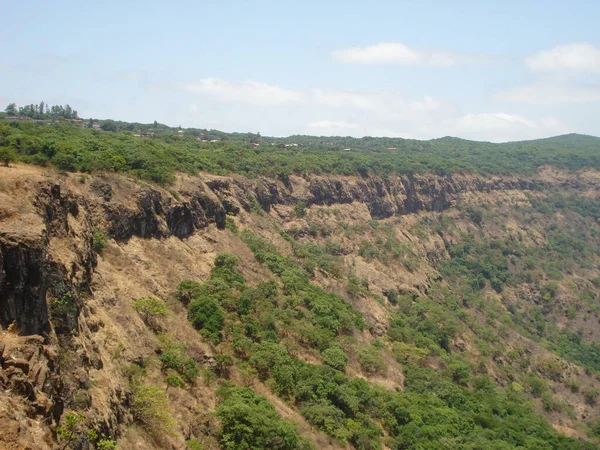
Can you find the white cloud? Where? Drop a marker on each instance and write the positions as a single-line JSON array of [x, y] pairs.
[[574, 58], [349, 112], [551, 92], [389, 104], [251, 92], [331, 126], [398, 53]]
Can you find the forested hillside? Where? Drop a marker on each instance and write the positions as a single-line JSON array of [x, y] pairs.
[[155, 152], [192, 289]]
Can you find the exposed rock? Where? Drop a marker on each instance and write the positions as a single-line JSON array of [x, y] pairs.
[[18, 363]]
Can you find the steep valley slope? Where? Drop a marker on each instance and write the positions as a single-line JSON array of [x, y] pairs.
[[403, 312]]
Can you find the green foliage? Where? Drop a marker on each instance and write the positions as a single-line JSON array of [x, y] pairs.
[[225, 268], [594, 428], [371, 361], [188, 290], [151, 309], [106, 444], [101, 441], [174, 380], [63, 312], [536, 385], [162, 150], [193, 444], [335, 357], [223, 364], [410, 354], [231, 225], [572, 347], [7, 155], [99, 240], [249, 421], [475, 214], [206, 315], [299, 209], [173, 357], [480, 261], [150, 407], [327, 312], [70, 429], [590, 395]]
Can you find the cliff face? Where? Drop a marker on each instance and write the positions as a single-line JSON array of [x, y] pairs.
[[50, 289]]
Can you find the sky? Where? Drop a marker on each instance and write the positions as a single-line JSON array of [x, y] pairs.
[[499, 71]]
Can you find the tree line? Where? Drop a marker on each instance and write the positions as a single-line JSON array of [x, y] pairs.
[[42, 111]]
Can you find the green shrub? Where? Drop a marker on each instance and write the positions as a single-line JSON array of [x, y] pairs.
[[249, 421], [536, 385], [151, 409], [206, 315], [370, 361], [226, 268], [174, 380], [99, 240], [299, 209], [231, 225], [151, 309], [70, 429], [187, 291], [174, 357], [193, 444], [106, 444], [223, 364], [590, 395], [335, 357], [7, 155], [409, 354]]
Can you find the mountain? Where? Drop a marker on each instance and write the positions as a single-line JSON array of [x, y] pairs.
[[159, 290]]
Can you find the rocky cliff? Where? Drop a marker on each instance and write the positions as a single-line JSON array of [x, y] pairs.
[[61, 304]]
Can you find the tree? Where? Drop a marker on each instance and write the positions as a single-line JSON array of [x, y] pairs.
[[249, 421], [335, 357], [7, 155], [11, 109]]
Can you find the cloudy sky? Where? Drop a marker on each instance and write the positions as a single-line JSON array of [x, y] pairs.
[[487, 70]]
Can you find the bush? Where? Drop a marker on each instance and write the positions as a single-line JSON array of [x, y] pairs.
[[299, 209], [99, 240], [409, 354], [536, 385], [150, 309], [223, 364], [7, 155], [249, 421], [335, 357], [187, 291], [151, 409], [590, 395], [226, 268], [173, 380], [174, 357], [370, 361], [206, 315], [70, 429], [193, 444], [475, 214]]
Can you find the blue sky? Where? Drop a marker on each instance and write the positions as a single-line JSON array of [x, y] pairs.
[[486, 70]]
